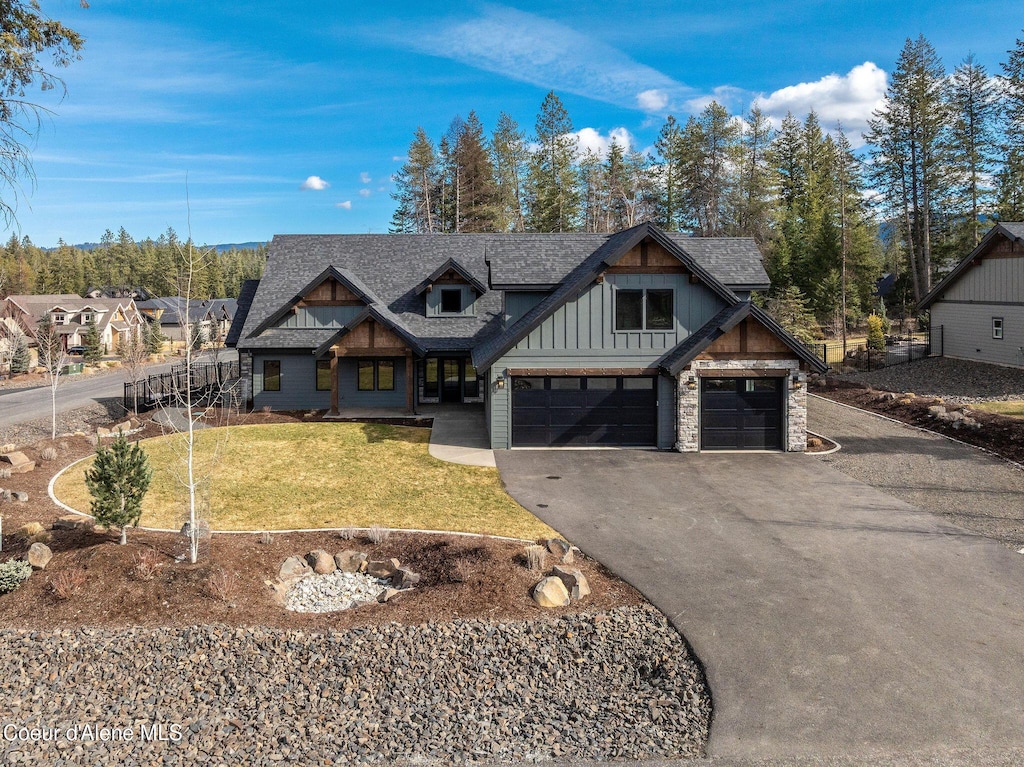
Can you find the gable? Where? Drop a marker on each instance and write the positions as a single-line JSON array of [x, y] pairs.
[[648, 257], [991, 273], [368, 338], [330, 292], [750, 339]]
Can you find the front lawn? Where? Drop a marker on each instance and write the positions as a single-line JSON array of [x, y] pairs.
[[322, 475], [1010, 408]]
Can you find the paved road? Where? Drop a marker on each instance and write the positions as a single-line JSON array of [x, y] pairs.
[[835, 622], [23, 405]]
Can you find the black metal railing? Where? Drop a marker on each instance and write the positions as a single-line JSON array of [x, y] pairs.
[[207, 381], [897, 350]]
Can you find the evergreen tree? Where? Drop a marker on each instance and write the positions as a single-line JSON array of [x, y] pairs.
[[153, 338], [751, 204], [92, 342], [553, 198], [670, 198], [417, 188], [477, 192], [20, 360], [509, 158], [1010, 178], [710, 154], [118, 481]]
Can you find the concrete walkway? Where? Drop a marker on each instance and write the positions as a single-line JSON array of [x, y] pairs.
[[835, 622], [459, 434]]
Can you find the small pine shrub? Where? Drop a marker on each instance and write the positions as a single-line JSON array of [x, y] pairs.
[[378, 534], [12, 574], [49, 454], [876, 332], [536, 557], [68, 583]]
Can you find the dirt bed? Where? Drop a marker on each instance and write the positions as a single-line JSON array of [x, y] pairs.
[[953, 380]]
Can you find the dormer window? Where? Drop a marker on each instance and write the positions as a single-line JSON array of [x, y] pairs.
[[60, 318], [86, 318], [451, 300]]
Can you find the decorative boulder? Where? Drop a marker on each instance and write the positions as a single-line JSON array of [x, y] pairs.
[[20, 497], [386, 594], [10, 447], [575, 582], [551, 592], [350, 561], [404, 578], [294, 569], [72, 522], [382, 568], [321, 562], [557, 546], [20, 464], [39, 556]]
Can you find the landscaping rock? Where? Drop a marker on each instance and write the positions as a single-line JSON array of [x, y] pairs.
[[386, 594], [71, 522], [329, 593], [19, 496], [321, 562], [551, 592], [294, 569], [10, 447], [20, 464], [39, 556], [404, 578], [350, 561], [557, 546], [937, 411], [575, 582], [382, 568]]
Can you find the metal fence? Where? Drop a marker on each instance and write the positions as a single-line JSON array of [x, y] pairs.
[[208, 380], [898, 350]]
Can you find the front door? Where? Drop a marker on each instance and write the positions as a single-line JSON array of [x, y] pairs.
[[451, 380]]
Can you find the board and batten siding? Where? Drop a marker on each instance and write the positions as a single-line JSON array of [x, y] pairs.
[[519, 302], [965, 331], [994, 279], [307, 317], [434, 300]]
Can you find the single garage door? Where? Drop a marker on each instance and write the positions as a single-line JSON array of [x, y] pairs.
[[741, 413], [577, 411]]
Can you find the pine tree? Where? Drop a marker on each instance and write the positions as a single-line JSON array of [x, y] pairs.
[[92, 342], [509, 155], [1010, 178], [670, 189], [709, 156], [553, 193], [475, 178], [153, 338], [118, 481], [417, 188], [21, 358], [751, 204]]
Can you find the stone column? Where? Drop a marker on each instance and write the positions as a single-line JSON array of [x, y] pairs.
[[688, 413]]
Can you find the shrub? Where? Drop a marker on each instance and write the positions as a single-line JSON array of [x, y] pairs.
[[378, 534], [220, 585], [876, 332], [118, 481], [347, 534], [147, 562], [266, 538], [49, 454], [5, 473], [536, 557], [68, 583], [12, 574], [33, 532]]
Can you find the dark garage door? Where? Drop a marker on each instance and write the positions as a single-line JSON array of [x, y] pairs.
[[578, 411], [741, 413]]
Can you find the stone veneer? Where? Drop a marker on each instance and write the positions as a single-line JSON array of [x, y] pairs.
[[688, 420]]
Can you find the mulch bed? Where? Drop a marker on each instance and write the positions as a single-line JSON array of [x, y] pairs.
[[998, 433], [462, 577]]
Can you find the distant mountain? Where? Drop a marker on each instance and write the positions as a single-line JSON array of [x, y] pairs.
[[222, 248]]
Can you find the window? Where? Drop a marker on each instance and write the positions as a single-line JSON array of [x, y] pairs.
[[323, 375], [997, 328], [375, 375], [59, 318], [271, 375], [644, 309], [430, 378], [86, 318], [566, 383], [472, 382], [451, 300]]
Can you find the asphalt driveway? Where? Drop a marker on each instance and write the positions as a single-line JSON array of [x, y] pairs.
[[832, 619]]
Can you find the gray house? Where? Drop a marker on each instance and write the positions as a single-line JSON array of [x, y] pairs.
[[977, 310], [639, 338]]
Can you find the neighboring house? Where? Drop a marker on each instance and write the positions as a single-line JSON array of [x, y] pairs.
[[977, 310], [212, 316], [640, 338], [118, 291], [71, 314]]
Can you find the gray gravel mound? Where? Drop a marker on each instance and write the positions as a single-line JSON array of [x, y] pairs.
[[619, 684], [951, 379]]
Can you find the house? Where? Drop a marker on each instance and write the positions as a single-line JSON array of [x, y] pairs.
[[639, 338], [71, 315], [211, 317], [977, 310]]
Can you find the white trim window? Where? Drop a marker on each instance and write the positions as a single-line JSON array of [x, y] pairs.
[[997, 328], [60, 318]]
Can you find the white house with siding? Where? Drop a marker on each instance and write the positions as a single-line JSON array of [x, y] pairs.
[[977, 310]]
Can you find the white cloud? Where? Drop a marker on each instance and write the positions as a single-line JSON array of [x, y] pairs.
[[653, 100], [364, 178], [530, 48], [314, 183], [591, 140], [836, 99], [399, 158], [365, 192], [347, 205]]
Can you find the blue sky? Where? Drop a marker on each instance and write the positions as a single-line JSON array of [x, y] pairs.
[[248, 101]]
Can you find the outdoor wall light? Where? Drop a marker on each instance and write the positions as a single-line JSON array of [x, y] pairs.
[[796, 383], [691, 383], [499, 382]]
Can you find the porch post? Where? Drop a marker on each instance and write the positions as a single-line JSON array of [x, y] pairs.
[[410, 384], [334, 382]]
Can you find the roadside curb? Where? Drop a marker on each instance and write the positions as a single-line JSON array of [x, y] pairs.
[[69, 509], [835, 442], [919, 428]]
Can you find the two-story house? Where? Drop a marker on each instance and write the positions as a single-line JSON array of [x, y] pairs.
[[71, 314], [639, 338]]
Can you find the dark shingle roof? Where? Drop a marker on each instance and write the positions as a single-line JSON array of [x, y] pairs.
[[242, 307], [1011, 229]]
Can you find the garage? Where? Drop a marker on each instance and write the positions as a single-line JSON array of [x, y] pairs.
[[582, 411], [741, 413]]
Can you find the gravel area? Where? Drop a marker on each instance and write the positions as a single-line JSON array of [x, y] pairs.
[[951, 379], [617, 684], [84, 419], [971, 488], [335, 591]]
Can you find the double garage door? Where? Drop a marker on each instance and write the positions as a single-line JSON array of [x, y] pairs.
[[581, 411], [622, 411]]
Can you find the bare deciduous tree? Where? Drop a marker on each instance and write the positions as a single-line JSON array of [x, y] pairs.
[[53, 359]]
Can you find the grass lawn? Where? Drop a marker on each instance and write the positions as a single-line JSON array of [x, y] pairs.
[[1011, 408], [310, 475]]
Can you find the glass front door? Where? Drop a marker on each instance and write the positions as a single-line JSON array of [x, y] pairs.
[[451, 380]]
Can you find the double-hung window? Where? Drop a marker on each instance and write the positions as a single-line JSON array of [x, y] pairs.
[[997, 328], [647, 309], [271, 375], [375, 375]]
